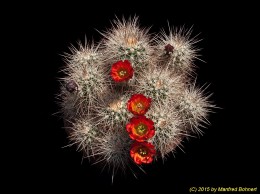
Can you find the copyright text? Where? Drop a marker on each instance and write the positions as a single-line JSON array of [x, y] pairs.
[[222, 189]]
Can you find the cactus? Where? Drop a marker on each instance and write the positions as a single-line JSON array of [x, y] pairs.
[[131, 98], [193, 107], [177, 50], [84, 134], [168, 125], [159, 84], [113, 111]]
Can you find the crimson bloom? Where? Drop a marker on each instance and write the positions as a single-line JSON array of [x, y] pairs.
[[140, 128], [121, 71], [138, 104], [142, 152]]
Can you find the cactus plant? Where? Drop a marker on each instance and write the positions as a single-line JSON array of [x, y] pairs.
[[132, 99]]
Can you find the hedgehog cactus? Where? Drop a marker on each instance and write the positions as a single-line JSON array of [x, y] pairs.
[[131, 99]]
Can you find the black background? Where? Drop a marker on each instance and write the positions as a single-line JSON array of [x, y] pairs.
[[226, 156]]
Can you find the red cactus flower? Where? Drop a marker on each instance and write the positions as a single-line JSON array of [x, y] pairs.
[[138, 104], [121, 71], [140, 128], [142, 152]]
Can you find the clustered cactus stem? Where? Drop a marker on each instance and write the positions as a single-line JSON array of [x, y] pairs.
[[132, 99]]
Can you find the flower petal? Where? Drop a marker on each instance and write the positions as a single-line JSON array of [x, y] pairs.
[[138, 104], [121, 71], [142, 152], [140, 128]]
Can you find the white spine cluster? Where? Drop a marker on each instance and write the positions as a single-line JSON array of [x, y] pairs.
[[168, 127], [159, 84], [84, 135], [177, 50], [85, 70], [112, 149], [113, 111], [127, 41], [193, 107]]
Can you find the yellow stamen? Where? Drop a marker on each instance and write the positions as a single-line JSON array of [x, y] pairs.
[[140, 105], [142, 151], [122, 73], [141, 129]]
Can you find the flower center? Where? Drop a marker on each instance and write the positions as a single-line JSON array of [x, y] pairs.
[[122, 73], [139, 105], [141, 129], [142, 151]]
